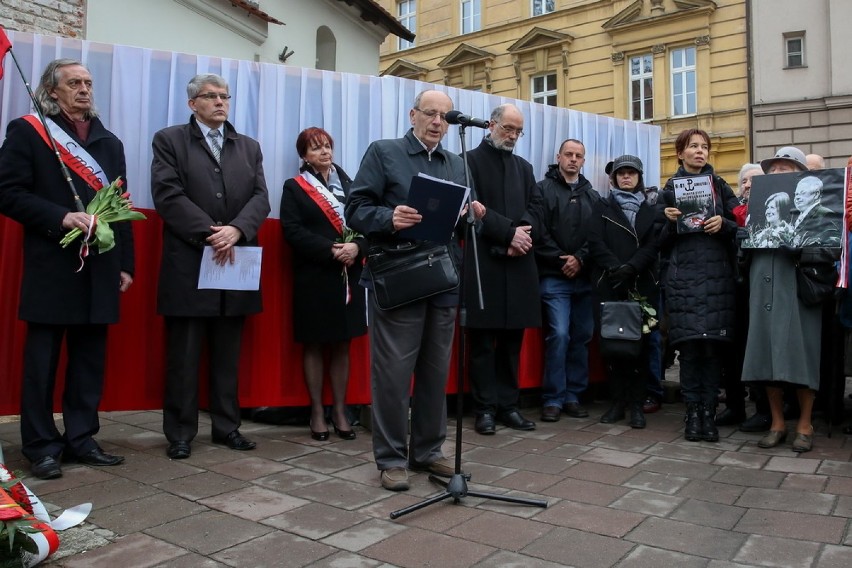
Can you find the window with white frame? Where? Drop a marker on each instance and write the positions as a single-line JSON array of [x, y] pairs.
[[544, 89], [642, 87], [540, 7], [684, 101], [407, 14], [794, 49], [470, 16]]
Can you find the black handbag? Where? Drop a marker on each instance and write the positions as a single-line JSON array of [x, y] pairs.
[[621, 330], [408, 272], [816, 276]]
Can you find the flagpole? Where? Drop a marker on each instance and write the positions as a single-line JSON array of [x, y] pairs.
[[78, 203]]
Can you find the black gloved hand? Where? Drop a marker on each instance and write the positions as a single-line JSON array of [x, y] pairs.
[[621, 275]]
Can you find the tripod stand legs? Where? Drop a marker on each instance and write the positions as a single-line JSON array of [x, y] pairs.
[[456, 487]]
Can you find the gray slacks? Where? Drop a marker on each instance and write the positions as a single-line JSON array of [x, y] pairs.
[[416, 338]]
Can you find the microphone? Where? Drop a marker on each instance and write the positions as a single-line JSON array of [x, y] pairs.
[[456, 117]]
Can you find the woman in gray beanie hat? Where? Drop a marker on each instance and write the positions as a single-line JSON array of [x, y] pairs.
[[624, 245]]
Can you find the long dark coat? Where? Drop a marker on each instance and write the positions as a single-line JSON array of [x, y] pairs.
[[320, 313], [699, 278], [34, 192], [505, 184], [191, 192], [613, 242]]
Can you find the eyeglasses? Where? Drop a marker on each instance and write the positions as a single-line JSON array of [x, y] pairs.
[[519, 132], [213, 96], [431, 114]]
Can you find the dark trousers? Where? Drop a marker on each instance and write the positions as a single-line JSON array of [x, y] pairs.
[[701, 370], [494, 359], [186, 338], [628, 378], [84, 379]]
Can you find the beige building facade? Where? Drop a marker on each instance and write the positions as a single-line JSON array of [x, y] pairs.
[[802, 85], [674, 63]]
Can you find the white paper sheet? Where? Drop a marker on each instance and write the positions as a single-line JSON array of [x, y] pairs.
[[243, 274]]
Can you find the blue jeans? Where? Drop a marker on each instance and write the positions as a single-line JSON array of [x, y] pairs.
[[569, 325], [655, 365]]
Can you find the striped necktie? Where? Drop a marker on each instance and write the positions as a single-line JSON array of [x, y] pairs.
[[214, 143]]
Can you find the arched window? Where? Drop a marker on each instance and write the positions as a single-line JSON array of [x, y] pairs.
[[326, 49]]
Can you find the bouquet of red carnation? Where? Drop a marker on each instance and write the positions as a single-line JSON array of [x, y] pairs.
[[17, 522], [109, 205]]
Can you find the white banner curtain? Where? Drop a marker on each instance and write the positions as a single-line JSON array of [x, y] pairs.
[[139, 91]]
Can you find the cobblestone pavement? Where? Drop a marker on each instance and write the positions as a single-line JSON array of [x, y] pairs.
[[616, 497]]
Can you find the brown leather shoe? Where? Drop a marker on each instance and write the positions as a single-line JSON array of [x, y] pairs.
[[772, 439], [802, 443], [550, 413], [395, 479]]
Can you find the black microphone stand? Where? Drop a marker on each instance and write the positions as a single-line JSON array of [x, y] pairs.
[[456, 486]]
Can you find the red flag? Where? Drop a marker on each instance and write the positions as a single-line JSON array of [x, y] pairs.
[[5, 46]]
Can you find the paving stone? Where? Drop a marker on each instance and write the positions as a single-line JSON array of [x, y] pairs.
[[828, 467], [647, 503], [799, 526], [591, 518], [343, 494], [749, 477], [500, 531], [146, 440], [540, 464], [691, 452], [647, 557], [834, 557], [154, 469], [517, 509], [690, 469], [488, 474], [713, 491], [73, 477], [253, 503], [191, 560], [783, 500], [201, 485], [780, 552], [291, 479], [576, 437], [350, 560], [250, 468], [585, 491], [621, 443], [567, 451], [792, 465], [570, 547], [417, 548], [651, 434], [363, 535], [532, 446], [143, 549], [314, 520], [325, 462], [659, 482], [491, 456], [144, 513], [687, 538], [706, 513], [209, 532], [505, 559], [843, 507], [601, 473], [612, 457], [103, 493], [274, 449], [741, 459], [529, 481], [839, 485], [804, 482], [275, 549]]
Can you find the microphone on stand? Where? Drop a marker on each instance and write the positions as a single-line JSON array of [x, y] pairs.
[[456, 117]]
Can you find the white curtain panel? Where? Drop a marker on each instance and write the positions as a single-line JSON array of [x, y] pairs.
[[139, 91]]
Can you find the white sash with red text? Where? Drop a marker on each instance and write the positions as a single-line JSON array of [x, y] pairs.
[[73, 155]]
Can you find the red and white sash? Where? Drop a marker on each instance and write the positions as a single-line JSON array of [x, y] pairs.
[[332, 209], [73, 155]]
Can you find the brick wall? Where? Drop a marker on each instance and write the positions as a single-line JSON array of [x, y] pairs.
[[49, 17]]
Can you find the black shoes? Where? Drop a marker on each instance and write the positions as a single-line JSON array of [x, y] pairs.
[[757, 423], [46, 467], [98, 457], [730, 417], [515, 421], [179, 450], [692, 430], [574, 410], [343, 434], [637, 416], [235, 441], [485, 424], [651, 405], [614, 414], [709, 432], [550, 413]]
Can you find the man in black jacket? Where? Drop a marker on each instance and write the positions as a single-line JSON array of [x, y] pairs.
[[566, 293], [505, 184], [63, 297]]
